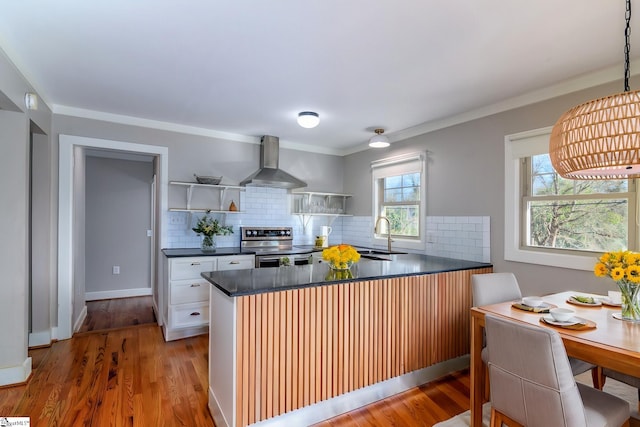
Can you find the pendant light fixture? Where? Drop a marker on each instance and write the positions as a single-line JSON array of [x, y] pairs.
[[600, 139], [308, 119], [379, 141]]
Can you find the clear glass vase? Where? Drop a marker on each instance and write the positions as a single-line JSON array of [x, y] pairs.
[[341, 265], [630, 309], [208, 243]]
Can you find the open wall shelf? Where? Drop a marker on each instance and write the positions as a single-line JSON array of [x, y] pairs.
[[220, 189]]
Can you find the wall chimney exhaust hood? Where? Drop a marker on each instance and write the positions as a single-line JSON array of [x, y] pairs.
[[269, 175]]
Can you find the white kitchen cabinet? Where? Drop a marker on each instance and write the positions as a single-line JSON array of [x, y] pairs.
[[218, 195], [186, 310], [236, 262]]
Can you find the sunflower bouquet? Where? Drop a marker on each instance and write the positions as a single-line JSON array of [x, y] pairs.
[[341, 257], [620, 266], [624, 268]]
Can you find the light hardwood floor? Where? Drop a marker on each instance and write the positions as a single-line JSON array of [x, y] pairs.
[[129, 376]]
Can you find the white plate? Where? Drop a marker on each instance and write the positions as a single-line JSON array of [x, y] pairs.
[[550, 320], [572, 300], [542, 306], [607, 301]]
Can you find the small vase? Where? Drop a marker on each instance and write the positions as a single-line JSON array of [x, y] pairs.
[[630, 309], [208, 244]]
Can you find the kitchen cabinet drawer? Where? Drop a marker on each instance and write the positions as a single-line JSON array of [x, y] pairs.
[[185, 291], [189, 315], [190, 268], [239, 262]]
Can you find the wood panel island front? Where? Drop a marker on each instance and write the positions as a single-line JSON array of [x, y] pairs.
[[302, 344]]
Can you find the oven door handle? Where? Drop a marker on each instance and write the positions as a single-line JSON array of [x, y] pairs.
[[267, 259]]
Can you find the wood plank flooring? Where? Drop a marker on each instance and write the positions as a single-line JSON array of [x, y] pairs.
[[118, 313], [421, 406], [131, 377], [125, 377]]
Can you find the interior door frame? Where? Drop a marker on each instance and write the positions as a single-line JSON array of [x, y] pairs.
[[65, 213]]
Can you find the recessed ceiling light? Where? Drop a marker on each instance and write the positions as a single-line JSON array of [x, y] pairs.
[[308, 119], [379, 141]]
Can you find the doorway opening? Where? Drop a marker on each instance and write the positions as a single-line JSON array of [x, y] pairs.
[[72, 221]]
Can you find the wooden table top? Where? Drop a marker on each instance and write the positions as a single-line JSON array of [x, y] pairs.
[[610, 335]]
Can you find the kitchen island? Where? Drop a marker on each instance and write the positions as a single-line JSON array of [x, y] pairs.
[[301, 344]]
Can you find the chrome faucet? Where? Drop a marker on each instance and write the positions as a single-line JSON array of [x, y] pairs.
[[375, 230]]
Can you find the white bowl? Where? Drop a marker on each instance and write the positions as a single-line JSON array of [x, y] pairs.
[[532, 301], [560, 314]]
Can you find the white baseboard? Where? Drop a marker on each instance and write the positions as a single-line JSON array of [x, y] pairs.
[[15, 374], [78, 323], [121, 293], [159, 318], [41, 338]]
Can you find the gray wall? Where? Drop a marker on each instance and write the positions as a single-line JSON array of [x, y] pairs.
[[465, 176], [14, 149], [118, 215], [15, 123], [189, 154], [41, 271]]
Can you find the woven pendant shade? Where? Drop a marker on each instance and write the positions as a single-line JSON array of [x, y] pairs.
[[599, 139]]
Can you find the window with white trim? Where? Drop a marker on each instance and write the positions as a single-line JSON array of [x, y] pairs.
[[555, 221], [398, 186]]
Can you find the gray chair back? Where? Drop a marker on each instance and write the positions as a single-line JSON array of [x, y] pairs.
[[531, 379], [493, 288]]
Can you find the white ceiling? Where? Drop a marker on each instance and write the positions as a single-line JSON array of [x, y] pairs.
[[245, 68]]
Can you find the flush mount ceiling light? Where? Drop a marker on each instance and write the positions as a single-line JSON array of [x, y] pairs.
[[308, 119], [379, 141], [600, 139]]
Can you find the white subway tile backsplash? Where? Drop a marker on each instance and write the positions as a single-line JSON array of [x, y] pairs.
[[458, 237]]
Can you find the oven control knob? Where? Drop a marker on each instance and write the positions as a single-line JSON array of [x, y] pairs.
[[255, 232], [288, 232]]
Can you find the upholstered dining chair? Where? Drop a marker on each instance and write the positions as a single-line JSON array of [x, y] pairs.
[[623, 378], [493, 288], [532, 384]]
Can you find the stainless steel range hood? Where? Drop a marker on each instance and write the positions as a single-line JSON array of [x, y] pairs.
[[269, 175]]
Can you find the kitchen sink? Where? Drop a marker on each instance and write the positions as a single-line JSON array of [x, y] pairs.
[[374, 257], [378, 252]]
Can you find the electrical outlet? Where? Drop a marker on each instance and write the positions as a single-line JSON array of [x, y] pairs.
[[116, 269], [431, 237], [149, 233], [177, 219]]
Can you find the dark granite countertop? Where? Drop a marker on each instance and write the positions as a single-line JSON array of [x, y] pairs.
[[254, 281], [187, 252]]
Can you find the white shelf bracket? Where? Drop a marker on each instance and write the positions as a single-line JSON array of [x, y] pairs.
[[222, 191], [304, 221], [189, 194]]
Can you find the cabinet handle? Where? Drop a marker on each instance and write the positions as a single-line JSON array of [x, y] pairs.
[[195, 313], [195, 285], [195, 263], [234, 262]]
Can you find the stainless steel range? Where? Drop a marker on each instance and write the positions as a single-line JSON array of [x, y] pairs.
[[271, 244]]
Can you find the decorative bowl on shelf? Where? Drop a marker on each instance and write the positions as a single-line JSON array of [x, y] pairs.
[[212, 180]]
